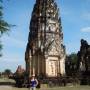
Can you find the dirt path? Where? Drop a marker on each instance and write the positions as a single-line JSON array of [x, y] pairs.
[[4, 87]]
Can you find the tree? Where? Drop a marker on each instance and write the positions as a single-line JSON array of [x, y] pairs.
[[0, 49], [71, 64], [73, 58], [4, 26], [7, 72]]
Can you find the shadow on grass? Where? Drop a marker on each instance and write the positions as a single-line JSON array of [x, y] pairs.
[[7, 83]]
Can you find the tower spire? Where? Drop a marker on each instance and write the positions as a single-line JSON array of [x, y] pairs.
[[45, 52]]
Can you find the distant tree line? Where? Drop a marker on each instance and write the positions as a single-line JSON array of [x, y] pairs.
[[6, 73], [71, 64]]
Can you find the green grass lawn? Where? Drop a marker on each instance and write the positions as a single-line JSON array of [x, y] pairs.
[[6, 87], [71, 88], [6, 80], [55, 88]]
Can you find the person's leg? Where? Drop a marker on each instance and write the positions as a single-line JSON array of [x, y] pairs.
[[34, 88], [30, 88]]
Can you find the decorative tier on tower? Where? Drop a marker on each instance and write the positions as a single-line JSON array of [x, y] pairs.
[[45, 52]]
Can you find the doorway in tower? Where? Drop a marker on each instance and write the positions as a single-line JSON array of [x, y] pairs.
[[52, 68]]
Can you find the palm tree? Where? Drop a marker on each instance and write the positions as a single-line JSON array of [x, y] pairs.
[[4, 26]]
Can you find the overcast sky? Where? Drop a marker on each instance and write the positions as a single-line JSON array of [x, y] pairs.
[[75, 16]]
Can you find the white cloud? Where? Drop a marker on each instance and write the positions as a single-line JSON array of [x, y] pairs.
[[13, 52], [11, 60], [12, 57], [88, 0], [15, 42], [86, 15], [85, 29]]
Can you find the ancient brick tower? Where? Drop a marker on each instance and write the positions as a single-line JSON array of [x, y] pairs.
[[45, 52]]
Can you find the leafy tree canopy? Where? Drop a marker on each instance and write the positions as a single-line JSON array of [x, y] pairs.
[[73, 58], [7, 71], [4, 26]]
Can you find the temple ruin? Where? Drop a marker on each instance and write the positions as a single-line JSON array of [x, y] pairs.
[[84, 57], [45, 52]]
